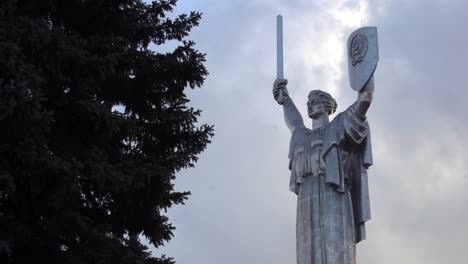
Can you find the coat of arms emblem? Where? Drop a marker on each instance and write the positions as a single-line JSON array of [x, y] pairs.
[[358, 48]]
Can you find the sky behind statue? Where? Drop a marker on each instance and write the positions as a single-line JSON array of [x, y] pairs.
[[241, 210]]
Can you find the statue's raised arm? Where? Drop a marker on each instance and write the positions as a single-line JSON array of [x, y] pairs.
[[292, 116]]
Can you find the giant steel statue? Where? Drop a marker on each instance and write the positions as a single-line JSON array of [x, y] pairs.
[[329, 162]]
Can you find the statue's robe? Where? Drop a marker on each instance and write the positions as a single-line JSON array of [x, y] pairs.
[[333, 207]]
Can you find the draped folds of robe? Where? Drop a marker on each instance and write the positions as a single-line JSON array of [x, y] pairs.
[[333, 200]]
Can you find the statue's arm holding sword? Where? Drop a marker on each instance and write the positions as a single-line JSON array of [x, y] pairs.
[[292, 116]]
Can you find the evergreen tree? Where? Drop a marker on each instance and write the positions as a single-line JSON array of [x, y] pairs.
[[94, 125]]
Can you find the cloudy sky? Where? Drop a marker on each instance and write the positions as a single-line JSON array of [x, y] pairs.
[[241, 211]]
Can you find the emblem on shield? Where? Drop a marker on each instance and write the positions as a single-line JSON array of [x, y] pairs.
[[358, 48], [363, 56]]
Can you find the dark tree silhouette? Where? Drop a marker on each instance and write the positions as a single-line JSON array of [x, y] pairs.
[[94, 125]]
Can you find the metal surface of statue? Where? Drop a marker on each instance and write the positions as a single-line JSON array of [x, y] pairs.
[[329, 162]]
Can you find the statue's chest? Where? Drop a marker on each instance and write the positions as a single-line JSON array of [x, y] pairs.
[[308, 153]]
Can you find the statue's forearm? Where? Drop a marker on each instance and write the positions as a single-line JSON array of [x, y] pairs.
[[365, 98], [292, 116]]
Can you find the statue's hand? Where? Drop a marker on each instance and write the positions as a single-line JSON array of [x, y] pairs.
[[279, 86], [366, 95]]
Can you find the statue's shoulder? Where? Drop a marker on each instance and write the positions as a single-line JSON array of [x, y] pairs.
[[301, 130], [299, 133], [341, 118], [338, 116]]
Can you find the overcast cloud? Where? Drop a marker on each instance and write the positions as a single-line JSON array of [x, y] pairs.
[[241, 211]]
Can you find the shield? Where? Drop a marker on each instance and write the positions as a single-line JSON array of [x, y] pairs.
[[363, 56]]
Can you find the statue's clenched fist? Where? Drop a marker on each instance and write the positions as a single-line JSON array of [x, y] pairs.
[[280, 90]]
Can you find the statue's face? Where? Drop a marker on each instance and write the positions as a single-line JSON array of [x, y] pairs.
[[315, 108]]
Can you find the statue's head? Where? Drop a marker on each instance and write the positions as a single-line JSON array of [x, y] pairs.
[[320, 103]]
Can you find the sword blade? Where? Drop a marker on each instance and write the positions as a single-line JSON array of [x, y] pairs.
[[279, 47]]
